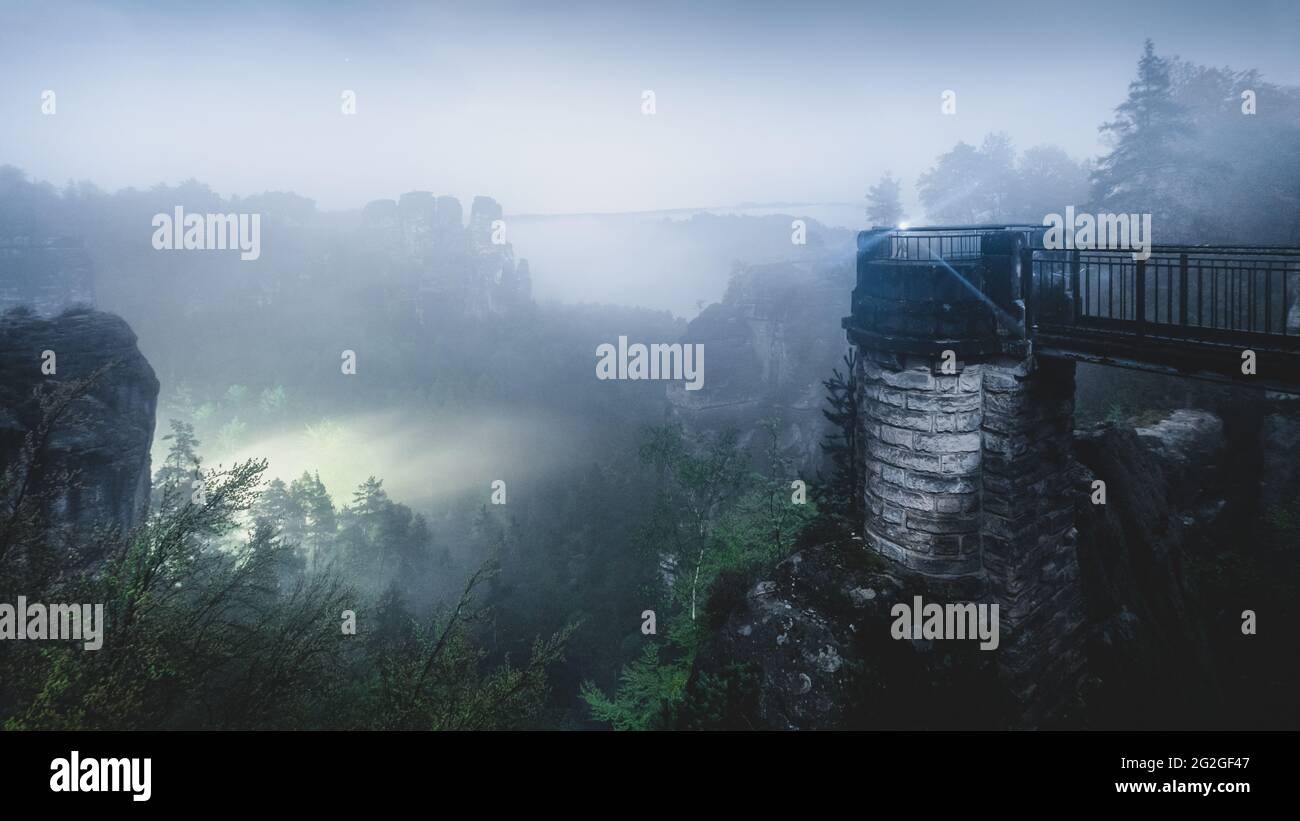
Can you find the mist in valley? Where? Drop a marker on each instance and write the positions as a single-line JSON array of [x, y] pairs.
[[413, 350]]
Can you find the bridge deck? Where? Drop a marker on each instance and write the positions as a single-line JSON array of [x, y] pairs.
[[1191, 310], [1186, 309]]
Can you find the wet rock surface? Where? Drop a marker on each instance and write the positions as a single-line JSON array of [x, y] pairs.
[[104, 440], [768, 345], [811, 648], [1149, 658], [809, 645]]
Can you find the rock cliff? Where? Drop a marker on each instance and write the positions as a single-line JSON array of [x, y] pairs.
[[47, 275], [448, 268], [808, 645], [768, 345], [104, 440]]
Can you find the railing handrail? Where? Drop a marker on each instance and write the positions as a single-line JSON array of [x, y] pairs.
[[1176, 248], [988, 227], [1201, 250]]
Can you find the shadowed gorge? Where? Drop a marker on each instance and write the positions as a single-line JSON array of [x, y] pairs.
[[598, 368]]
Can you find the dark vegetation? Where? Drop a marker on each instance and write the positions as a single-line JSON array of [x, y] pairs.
[[226, 610]]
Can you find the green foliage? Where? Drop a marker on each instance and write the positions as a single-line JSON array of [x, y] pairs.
[[721, 701], [231, 435], [698, 478], [440, 686], [182, 465], [714, 519], [841, 496], [208, 628], [647, 691], [274, 400]]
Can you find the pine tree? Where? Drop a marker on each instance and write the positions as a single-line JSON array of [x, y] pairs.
[[1145, 170], [369, 501], [172, 482], [841, 497], [970, 185], [278, 506], [320, 521], [884, 202]]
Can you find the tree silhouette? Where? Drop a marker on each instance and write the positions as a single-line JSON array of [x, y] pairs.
[[884, 202]]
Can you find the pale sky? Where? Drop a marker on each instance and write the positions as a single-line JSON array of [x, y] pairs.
[[539, 105]]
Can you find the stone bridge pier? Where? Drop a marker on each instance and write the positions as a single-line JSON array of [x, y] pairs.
[[967, 449]]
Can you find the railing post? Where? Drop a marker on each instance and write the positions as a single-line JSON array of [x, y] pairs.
[[1140, 298], [1077, 304], [1027, 288], [1182, 290], [1268, 297]]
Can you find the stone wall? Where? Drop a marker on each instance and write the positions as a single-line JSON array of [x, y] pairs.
[[1027, 527], [969, 474], [923, 463]]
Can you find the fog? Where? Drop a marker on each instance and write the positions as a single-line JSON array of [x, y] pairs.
[[424, 459], [675, 261], [755, 102], [451, 208]]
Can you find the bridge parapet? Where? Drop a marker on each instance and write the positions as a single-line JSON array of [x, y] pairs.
[[968, 459], [967, 456], [1189, 310], [926, 291]]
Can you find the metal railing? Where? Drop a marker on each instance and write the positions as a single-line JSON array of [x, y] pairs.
[[1193, 292], [1181, 297], [950, 243]]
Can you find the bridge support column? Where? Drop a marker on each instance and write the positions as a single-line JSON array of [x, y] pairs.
[[969, 475], [923, 463], [1027, 526]]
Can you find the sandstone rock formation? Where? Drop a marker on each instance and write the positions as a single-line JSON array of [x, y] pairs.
[[810, 642], [47, 275], [105, 439], [810, 646], [768, 345], [449, 268], [1148, 657]]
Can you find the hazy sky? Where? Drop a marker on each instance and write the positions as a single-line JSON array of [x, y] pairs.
[[540, 105]]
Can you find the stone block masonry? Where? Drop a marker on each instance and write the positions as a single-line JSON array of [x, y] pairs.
[[968, 475], [923, 441], [1027, 528]]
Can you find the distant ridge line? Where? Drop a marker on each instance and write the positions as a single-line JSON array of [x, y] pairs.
[[652, 212]]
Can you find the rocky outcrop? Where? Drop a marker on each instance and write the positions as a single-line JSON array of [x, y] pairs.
[[103, 442], [450, 269], [1281, 469], [766, 353], [1149, 659], [48, 275], [1190, 444], [808, 645], [1185, 437]]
